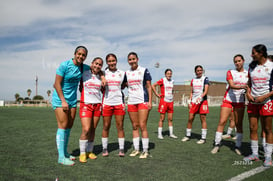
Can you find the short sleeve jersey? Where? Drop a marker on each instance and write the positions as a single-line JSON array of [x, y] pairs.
[[71, 77], [113, 93], [261, 79], [198, 86], [166, 88], [91, 92], [137, 91], [239, 78]]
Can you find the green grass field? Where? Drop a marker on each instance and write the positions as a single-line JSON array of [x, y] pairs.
[[28, 151]]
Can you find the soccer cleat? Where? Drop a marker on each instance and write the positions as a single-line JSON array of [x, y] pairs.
[[201, 141], [226, 136], [82, 158], [234, 137], [237, 151], [144, 154], [70, 157], [160, 137], [66, 161], [134, 153], [173, 136], [267, 162], [121, 153], [186, 138], [104, 153], [251, 157], [91, 155], [215, 149]]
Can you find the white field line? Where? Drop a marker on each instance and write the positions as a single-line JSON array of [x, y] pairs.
[[249, 173]]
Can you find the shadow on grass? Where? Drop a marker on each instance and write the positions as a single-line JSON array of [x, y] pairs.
[[112, 147], [245, 148]]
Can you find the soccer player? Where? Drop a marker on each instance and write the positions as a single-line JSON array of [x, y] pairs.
[[90, 108], [113, 103], [166, 102], [234, 99], [139, 103], [64, 101], [198, 104], [259, 95]]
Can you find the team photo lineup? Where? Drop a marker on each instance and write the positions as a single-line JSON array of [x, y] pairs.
[[101, 97]]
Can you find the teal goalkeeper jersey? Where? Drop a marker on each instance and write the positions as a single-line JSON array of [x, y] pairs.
[[71, 77]]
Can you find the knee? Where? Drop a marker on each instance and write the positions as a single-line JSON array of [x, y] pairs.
[[106, 127], [135, 127], [85, 132]]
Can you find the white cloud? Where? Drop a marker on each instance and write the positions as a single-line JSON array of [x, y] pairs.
[[37, 35]]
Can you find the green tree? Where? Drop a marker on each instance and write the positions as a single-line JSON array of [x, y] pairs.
[[48, 92], [29, 92], [38, 97], [17, 96]]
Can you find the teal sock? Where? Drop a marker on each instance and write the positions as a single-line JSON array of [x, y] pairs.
[[60, 137], [67, 135]]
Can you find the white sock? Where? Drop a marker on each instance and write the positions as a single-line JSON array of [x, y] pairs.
[[254, 147], [218, 138], [188, 132], [159, 131], [83, 145], [229, 131], [268, 151], [204, 134], [171, 130], [145, 144], [104, 142], [121, 143], [90, 146], [239, 139], [136, 143]]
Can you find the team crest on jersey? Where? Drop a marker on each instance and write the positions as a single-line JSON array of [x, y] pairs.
[[113, 75], [119, 75], [133, 74], [266, 69], [139, 73], [259, 71]]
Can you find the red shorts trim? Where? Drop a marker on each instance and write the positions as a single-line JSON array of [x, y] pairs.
[[164, 107], [136, 107], [261, 109], [201, 108], [233, 104], [113, 110], [90, 110]]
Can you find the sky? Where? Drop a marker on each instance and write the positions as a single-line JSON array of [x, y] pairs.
[[37, 35]]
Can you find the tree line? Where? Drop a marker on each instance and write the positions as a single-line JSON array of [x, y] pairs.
[[18, 98]]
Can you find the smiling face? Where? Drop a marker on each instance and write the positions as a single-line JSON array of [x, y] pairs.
[[133, 61], [112, 63], [239, 63], [256, 56], [96, 65], [168, 75], [79, 56], [199, 72]]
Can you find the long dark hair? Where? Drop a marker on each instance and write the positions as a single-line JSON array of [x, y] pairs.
[[260, 48]]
